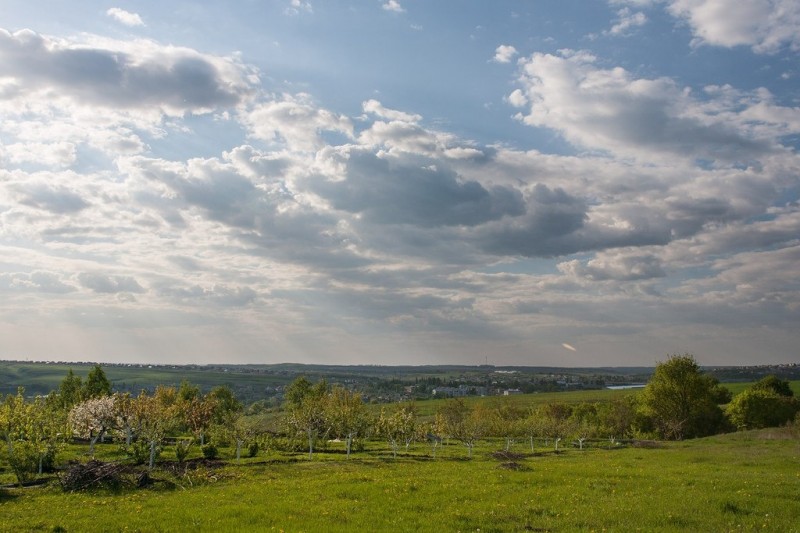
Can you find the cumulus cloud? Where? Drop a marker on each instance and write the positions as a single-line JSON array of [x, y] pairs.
[[295, 121], [610, 109], [504, 53], [125, 17], [128, 75], [764, 25]]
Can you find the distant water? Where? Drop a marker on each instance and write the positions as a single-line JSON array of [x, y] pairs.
[[621, 387]]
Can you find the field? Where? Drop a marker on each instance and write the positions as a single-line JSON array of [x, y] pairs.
[[742, 481]]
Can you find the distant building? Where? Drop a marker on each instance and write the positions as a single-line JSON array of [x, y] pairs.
[[460, 391], [511, 392]]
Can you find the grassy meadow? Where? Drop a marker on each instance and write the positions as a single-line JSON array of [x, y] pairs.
[[743, 481]]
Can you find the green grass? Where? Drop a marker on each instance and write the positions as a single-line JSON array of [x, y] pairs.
[[743, 481]]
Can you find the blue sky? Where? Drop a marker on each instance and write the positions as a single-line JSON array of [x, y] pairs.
[[562, 183]]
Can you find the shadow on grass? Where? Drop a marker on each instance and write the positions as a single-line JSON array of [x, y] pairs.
[[6, 496]]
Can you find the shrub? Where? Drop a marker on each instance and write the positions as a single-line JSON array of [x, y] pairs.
[[210, 451], [182, 450], [252, 449], [761, 408]]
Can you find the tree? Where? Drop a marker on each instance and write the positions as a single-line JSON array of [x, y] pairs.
[[92, 418], [33, 431], [70, 391], [198, 414], [346, 415], [153, 417], [307, 409], [775, 384], [681, 401], [761, 407], [463, 423], [97, 384]]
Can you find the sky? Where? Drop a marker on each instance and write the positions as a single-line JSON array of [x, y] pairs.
[[541, 182]]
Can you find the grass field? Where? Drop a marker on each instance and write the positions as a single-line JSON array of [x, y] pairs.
[[743, 481]]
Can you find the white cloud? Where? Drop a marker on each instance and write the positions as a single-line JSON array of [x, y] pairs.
[[626, 21], [126, 75], [764, 25], [504, 53], [611, 110], [393, 6], [295, 121], [125, 17]]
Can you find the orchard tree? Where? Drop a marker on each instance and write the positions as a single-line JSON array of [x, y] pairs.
[[463, 423], [681, 401], [33, 431], [346, 415], [307, 409], [198, 414], [92, 418], [397, 426], [153, 418]]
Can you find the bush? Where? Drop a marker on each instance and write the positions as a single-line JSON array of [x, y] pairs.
[[252, 449], [182, 450], [139, 451], [761, 408], [210, 451]]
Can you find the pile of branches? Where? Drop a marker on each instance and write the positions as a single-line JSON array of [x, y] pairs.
[[93, 475]]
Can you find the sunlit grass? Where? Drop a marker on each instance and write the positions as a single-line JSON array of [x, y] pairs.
[[742, 481]]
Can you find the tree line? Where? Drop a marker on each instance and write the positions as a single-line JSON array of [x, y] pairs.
[[680, 401]]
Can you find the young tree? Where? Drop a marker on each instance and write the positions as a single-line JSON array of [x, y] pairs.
[[92, 418], [154, 417], [346, 415], [465, 424], [198, 414], [681, 401], [307, 406]]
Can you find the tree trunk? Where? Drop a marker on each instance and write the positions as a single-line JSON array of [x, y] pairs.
[[152, 453], [202, 438], [557, 441], [41, 460], [128, 436], [238, 449], [310, 444], [349, 443], [532, 450]]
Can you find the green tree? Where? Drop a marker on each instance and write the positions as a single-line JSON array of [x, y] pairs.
[[463, 423], [775, 384], [681, 401], [97, 384], [346, 415], [226, 406], [307, 409], [70, 391], [761, 407]]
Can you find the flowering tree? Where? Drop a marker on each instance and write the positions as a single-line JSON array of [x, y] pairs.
[[92, 418]]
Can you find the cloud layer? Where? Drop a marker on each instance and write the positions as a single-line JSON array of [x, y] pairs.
[[302, 232]]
